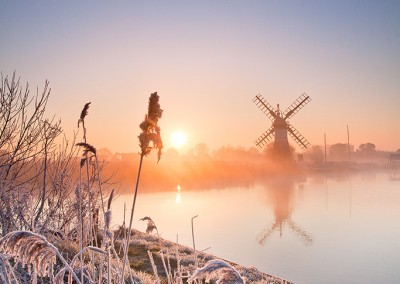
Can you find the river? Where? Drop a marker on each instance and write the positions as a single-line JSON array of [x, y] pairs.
[[325, 228]]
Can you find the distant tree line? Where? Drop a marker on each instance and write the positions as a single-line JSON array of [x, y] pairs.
[[315, 153]]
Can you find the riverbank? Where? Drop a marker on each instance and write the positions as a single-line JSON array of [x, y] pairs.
[[171, 259]]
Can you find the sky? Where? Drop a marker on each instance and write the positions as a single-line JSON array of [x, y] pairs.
[[207, 60]]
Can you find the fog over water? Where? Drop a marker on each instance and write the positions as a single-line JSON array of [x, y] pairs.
[[316, 228]]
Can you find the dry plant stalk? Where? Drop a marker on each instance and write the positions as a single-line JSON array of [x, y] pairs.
[[153, 265], [84, 160], [59, 278], [108, 236], [7, 275], [150, 225], [167, 272], [149, 138], [179, 274]]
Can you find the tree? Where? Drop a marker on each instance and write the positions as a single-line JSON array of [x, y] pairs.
[[367, 148], [27, 143]]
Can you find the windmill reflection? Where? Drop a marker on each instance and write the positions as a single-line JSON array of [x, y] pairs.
[[280, 193]]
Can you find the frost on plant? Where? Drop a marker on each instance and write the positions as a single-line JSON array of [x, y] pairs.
[[150, 224], [220, 270], [30, 250]]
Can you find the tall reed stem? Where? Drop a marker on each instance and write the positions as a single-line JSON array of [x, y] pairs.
[[194, 244], [91, 230], [80, 221], [105, 238], [131, 219]]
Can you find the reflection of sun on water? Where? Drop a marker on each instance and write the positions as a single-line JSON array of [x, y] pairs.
[[178, 198]]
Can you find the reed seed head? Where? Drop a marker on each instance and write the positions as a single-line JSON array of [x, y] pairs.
[[150, 224], [87, 148], [107, 218], [84, 113], [154, 112], [151, 133], [110, 199]]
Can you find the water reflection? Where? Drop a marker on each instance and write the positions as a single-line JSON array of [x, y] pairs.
[[319, 237], [178, 197], [394, 173], [280, 193]]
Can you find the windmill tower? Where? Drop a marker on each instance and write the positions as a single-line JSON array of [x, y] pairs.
[[280, 124]]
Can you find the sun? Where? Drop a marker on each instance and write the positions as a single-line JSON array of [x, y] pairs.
[[178, 139]]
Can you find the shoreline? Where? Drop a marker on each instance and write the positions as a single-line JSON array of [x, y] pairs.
[[165, 251]]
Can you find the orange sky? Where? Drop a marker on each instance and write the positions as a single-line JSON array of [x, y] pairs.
[[207, 60]]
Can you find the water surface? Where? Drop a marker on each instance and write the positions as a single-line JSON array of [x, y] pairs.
[[341, 228]]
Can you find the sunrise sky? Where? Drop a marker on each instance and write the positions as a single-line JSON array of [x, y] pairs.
[[207, 60]]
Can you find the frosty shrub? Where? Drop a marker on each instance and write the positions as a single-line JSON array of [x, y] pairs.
[[34, 251], [217, 269]]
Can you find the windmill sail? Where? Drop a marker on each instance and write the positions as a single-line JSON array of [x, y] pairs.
[[266, 233], [263, 140], [296, 106], [301, 141], [265, 107], [280, 125], [301, 233]]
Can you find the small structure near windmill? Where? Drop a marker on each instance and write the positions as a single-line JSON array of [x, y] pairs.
[[281, 126], [394, 159]]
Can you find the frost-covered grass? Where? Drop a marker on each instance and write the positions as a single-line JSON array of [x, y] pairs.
[[26, 257], [173, 254]]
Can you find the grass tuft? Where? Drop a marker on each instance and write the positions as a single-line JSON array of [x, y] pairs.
[[30, 249], [218, 269]]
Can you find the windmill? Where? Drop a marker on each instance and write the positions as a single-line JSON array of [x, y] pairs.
[[280, 124]]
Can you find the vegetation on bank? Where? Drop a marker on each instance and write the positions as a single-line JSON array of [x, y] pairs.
[[55, 209], [27, 257]]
